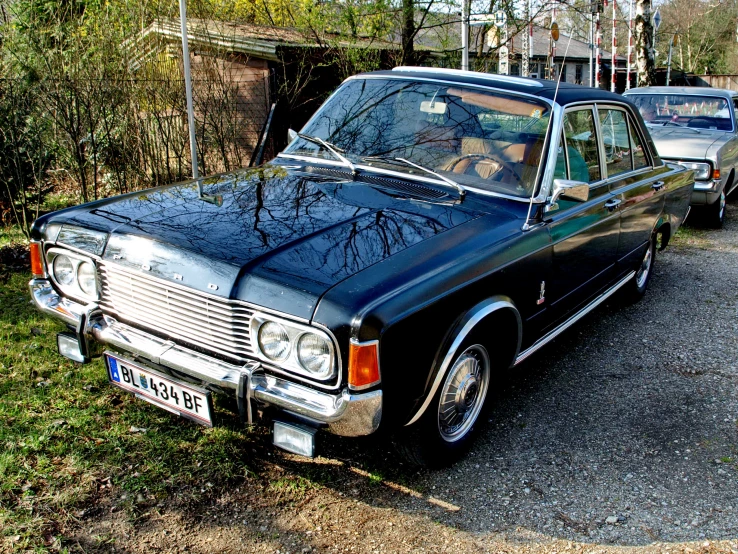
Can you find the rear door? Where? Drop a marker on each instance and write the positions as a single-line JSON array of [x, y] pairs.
[[584, 234], [635, 185]]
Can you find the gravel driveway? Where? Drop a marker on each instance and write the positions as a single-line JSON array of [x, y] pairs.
[[620, 436]]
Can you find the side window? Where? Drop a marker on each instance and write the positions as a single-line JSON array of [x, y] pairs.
[[636, 147], [560, 170], [614, 127], [581, 146]]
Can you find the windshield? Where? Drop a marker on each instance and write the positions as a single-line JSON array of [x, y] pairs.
[[688, 110], [479, 139]]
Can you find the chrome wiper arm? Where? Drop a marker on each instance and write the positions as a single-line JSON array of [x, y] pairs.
[[457, 186], [332, 148]]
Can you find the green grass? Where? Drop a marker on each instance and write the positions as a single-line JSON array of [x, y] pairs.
[[11, 235], [66, 438]]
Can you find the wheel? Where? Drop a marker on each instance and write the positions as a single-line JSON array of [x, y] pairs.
[[635, 289], [447, 428], [715, 212]]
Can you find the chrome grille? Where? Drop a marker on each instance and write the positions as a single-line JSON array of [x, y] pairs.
[[213, 324]]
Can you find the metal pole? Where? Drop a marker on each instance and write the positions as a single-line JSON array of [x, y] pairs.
[[188, 89], [598, 51], [614, 57], [630, 46], [668, 63], [525, 52], [464, 35], [591, 50]]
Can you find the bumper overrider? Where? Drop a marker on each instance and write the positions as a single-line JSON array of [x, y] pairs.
[[341, 412]]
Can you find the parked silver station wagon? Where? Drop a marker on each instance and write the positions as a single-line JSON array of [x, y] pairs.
[[696, 127]]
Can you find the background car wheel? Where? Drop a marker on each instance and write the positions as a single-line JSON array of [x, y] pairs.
[[447, 428], [715, 212], [636, 287]]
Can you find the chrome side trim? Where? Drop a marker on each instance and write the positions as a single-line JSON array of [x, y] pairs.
[[548, 337], [475, 315]]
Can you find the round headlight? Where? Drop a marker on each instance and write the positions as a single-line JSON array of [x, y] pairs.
[[273, 341], [314, 354], [63, 270], [86, 278]]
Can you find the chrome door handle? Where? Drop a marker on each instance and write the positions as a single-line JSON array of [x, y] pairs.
[[658, 185], [613, 204]]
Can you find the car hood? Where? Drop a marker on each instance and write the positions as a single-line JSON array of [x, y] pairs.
[[678, 143], [272, 236]]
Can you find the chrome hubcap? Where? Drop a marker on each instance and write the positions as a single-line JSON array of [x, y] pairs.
[[645, 268], [463, 393]]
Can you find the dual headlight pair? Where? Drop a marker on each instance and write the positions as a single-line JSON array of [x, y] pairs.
[[74, 274], [294, 347]]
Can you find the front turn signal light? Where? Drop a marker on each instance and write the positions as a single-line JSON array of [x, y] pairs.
[[716, 173], [37, 263], [363, 366]]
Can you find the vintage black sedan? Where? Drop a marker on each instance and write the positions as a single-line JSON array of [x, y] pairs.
[[425, 231]]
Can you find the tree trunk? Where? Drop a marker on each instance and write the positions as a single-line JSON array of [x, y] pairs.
[[408, 32], [643, 31]]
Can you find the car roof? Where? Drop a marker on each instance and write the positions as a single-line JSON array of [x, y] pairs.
[[697, 91], [568, 93]]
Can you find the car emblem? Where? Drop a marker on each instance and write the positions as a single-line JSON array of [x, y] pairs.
[[542, 295], [143, 380], [178, 277], [146, 267], [211, 286]]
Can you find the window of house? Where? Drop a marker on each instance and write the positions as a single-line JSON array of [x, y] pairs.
[[578, 74], [563, 73]]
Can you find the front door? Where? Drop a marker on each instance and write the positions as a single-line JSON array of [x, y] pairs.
[[584, 234]]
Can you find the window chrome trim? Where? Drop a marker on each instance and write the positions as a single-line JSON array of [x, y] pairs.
[[479, 312]]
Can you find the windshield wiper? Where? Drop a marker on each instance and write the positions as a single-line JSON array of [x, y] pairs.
[[461, 190], [668, 122], [332, 148]]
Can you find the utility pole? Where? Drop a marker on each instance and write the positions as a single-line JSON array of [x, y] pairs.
[[630, 45], [613, 57], [598, 45], [188, 90], [525, 47], [465, 35], [668, 63]]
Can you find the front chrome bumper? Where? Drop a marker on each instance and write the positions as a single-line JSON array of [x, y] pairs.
[[342, 412]]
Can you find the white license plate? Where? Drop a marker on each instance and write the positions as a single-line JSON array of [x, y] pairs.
[[161, 390]]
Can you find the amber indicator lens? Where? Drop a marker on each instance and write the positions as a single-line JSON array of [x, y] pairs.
[[716, 174], [37, 264], [363, 364]]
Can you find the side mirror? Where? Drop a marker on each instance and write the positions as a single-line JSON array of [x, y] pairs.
[[291, 135], [573, 190]]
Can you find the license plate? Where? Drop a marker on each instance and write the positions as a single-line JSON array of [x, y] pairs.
[[161, 390]]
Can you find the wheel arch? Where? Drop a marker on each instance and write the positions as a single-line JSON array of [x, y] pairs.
[[664, 230], [479, 314]]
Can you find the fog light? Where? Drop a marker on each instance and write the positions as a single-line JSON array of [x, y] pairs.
[[294, 438], [69, 347]]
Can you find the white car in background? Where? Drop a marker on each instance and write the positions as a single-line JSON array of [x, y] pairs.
[[696, 127]]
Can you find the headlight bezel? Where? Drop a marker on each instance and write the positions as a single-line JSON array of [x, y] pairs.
[[698, 168], [74, 289], [295, 332]]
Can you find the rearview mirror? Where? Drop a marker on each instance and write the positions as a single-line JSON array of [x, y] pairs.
[[565, 188], [291, 135]]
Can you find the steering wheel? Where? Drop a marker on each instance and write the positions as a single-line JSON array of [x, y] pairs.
[[499, 170]]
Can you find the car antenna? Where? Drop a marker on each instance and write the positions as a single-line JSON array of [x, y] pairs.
[[526, 225]]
